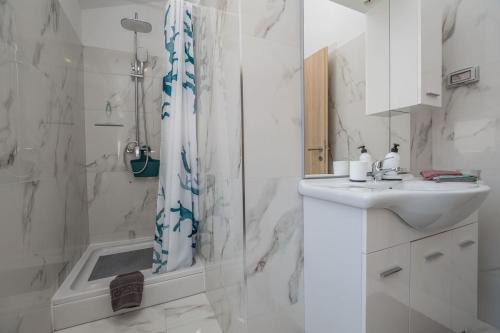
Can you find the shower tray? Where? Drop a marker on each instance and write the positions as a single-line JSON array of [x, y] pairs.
[[84, 295]]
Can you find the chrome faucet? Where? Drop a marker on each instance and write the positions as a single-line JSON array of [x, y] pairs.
[[378, 170]]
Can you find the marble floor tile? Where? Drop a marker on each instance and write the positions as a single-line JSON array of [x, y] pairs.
[[187, 315], [484, 328], [187, 310], [202, 326]]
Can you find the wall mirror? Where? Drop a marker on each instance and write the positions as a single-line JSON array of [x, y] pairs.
[[338, 35]]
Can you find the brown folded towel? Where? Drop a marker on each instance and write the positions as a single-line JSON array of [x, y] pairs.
[[126, 290]]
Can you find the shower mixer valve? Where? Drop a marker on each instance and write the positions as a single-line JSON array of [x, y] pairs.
[[133, 148]]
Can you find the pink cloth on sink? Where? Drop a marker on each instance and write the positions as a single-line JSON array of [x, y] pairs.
[[429, 174]]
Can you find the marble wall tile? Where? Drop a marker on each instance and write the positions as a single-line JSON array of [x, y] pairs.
[[274, 257], [277, 21], [41, 112], [421, 141], [43, 238], [221, 244], [120, 206], [271, 74], [108, 84], [108, 61], [223, 6], [10, 168], [400, 132], [42, 173], [106, 145], [49, 118], [464, 134], [7, 39], [220, 162], [47, 16], [350, 127], [118, 90], [27, 312], [273, 165], [109, 98]]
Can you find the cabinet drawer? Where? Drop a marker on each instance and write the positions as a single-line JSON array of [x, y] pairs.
[[443, 292], [463, 246], [387, 290], [430, 287]]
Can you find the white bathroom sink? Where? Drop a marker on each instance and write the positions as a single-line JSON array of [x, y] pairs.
[[424, 205], [421, 185]]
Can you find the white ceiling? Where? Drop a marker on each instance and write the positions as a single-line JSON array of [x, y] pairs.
[[89, 4], [358, 5], [329, 24]]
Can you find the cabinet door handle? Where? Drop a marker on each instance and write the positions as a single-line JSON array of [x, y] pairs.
[[433, 94], [434, 256], [390, 272], [318, 148], [466, 243]]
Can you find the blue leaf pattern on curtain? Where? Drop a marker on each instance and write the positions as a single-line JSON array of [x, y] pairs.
[[177, 218]]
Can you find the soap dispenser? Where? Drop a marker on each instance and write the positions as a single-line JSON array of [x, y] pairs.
[[391, 160], [366, 157]]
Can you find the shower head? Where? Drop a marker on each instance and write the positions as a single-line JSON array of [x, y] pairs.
[[136, 25]]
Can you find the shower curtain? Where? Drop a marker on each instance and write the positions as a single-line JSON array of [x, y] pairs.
[[177, 202]]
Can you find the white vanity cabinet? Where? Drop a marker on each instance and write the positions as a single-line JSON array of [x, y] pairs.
[[367, 271], [404, 55]]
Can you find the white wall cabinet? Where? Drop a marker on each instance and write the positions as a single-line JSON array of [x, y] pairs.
[[404, 55], [382, 276]]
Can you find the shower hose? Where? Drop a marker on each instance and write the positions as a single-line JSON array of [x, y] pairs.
[[137, 142]]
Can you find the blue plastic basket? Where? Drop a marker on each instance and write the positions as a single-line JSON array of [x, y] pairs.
[[152, 168]]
